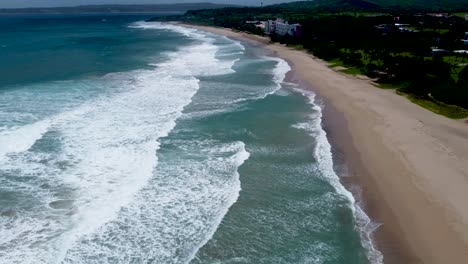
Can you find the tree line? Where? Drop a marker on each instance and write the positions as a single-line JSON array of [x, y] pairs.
[[361, 37]]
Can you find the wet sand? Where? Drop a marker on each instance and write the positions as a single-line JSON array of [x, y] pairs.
[[411, 165]]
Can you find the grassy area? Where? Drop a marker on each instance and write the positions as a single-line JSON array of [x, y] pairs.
[[456, 60], [336, 63], [352, 71], [431, 30], [459, 62], [349, 70], [462, 15], [450, 111], [298, 47], [389, 86], [359, 14], [402, 54]]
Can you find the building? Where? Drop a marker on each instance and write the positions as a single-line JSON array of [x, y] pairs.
[[438, 15], [281, 27], [461, 52], [465, 39], [386, 28], [270, 27], [259, 24], [439, 52]]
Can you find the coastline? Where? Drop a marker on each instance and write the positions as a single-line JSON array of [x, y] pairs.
[[411, 165]]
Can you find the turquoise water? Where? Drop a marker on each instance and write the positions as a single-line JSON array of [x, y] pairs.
[[133, 142]]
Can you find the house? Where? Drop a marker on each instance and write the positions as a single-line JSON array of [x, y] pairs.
[[438, 15], [385, 28], [461, 52]]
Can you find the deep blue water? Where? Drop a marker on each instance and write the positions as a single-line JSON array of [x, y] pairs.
[[43, 48]]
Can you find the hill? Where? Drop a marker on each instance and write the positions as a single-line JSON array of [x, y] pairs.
[[424, 4], [115, 9], [371, 5]]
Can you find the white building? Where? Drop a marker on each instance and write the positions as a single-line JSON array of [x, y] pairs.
[[281, 27], [270, 26]]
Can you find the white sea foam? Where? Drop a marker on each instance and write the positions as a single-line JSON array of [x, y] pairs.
[[231, 54], [279, 72], [236, 44], [110, 144], [107, 156], [323, 155], [188, 32], [20, 139], [279, 75], [201, 59], [175, 214]]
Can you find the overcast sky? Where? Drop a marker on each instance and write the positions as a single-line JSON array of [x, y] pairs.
[[48, 3]]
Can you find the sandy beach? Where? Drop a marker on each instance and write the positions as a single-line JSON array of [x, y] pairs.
[[411, 164]]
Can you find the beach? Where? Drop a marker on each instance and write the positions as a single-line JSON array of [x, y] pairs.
[[149, 142], [411, 165]]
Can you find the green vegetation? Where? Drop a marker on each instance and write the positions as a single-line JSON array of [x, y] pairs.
[[390, 86], [336, 63], [352, 71], [462, 15], [362, 38], [450, 111], [423, 4]]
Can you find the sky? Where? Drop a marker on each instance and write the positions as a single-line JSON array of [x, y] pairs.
[[50, 3]]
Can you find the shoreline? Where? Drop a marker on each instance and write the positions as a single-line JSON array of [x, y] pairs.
[[410, 164]]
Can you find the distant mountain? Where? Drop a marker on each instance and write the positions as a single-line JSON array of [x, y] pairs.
[[115, 8]]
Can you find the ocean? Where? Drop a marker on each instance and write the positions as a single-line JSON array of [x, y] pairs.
[[124, 141]]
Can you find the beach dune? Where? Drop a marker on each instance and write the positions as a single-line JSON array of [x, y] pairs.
[[411, 164]]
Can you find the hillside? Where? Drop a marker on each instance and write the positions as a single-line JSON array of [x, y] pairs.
[[423, 4], [370, 5], [114, 9]]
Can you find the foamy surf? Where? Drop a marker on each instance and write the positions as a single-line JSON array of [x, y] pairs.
[[278, 72], [107, 155], [323, 154], [175, 214], [20, 139], [142, 163]]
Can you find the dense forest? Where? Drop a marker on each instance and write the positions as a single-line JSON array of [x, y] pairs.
[[409, 48]]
